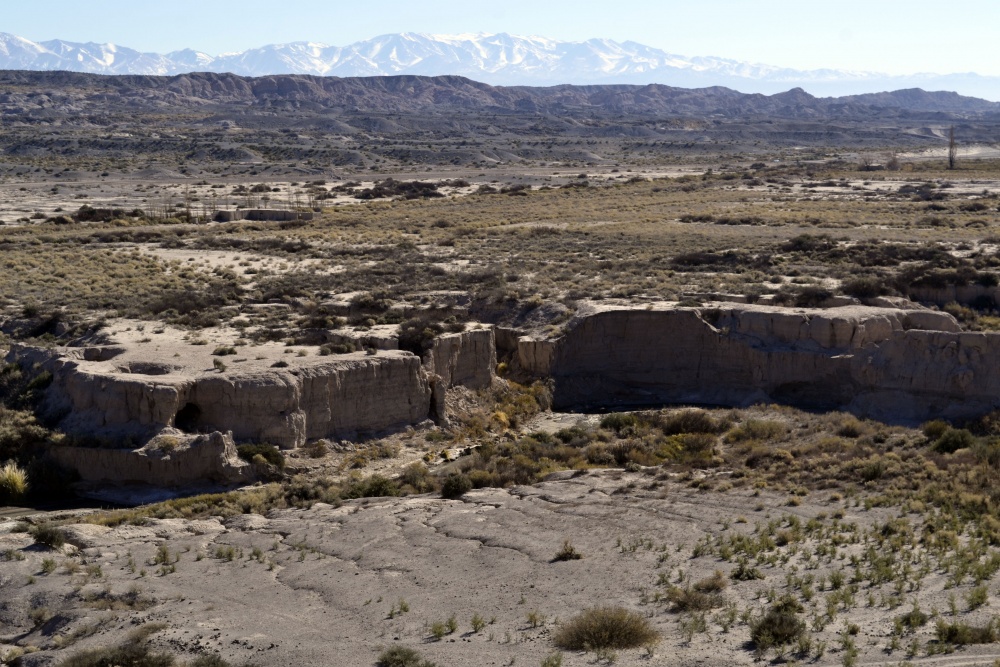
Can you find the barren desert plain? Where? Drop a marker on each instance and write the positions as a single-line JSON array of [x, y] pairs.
[[436, 373]]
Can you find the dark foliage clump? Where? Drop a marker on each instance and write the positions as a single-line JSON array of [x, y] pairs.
[[375, 486], [455, 486], [269, 453], [390, 187], [780, 626]]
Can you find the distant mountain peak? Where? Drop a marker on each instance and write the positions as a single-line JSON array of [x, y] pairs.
[[496, 58]]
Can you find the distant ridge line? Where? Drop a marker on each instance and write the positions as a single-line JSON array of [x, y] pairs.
[[410, 93], [497, 59]]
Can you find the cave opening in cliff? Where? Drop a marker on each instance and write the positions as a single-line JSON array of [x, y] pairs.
[[187, 418]]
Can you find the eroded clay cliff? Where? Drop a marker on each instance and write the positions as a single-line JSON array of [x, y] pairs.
[[897, 365], [125, 392], [132, 396], [167, 461]]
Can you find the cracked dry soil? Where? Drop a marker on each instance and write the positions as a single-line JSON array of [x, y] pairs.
[[336, 585]]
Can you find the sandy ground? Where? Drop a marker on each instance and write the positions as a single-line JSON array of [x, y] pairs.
[[327, 584]]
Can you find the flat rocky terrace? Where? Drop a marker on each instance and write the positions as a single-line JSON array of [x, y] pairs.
[[325, 586]]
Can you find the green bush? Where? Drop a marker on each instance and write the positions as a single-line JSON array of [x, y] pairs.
[[269, 453], [418, 477], [953, 440], [417, 335], [963, 633], [812, 296], [375, 486], [605, 628], [619, 421], [20, 433], [745, 572], [455, 486], [913, 619]]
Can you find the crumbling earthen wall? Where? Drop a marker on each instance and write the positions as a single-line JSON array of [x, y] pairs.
[[207, 458], [878, 362]]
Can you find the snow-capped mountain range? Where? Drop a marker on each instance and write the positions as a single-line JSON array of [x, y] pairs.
[[497, 59]]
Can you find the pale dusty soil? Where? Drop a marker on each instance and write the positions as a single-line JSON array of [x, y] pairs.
[[20, 198], [978, 151], [337, 573], [175, 353], [243, 263]]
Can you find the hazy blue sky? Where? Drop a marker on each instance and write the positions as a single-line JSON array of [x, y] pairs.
[[893, 36]]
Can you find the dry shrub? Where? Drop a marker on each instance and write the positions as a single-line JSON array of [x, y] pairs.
[[851, 427], [780, 626], [692, 421], [757, 429], [689, 599], [134, 652], [605, 628], [417, 477], [962, 633], [713, 584], [402, 656], [49, 535], [620, 422], [566, 552]]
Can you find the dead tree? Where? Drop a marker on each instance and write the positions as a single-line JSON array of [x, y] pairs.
[[952, 148]]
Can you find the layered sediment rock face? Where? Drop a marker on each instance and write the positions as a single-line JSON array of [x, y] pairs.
[[285, 407], [120, 394], [204, 458], [894, 364], [114, 391], [467, 358], [905, 365]]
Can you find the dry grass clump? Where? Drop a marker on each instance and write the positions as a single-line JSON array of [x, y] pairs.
[[691, 421], [402, 656], [757, 429], [690, 600], [605, 628], [13, 482]]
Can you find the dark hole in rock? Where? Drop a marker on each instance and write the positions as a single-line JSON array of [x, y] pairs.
[[187, 418], [102, 353], [147, 368]]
